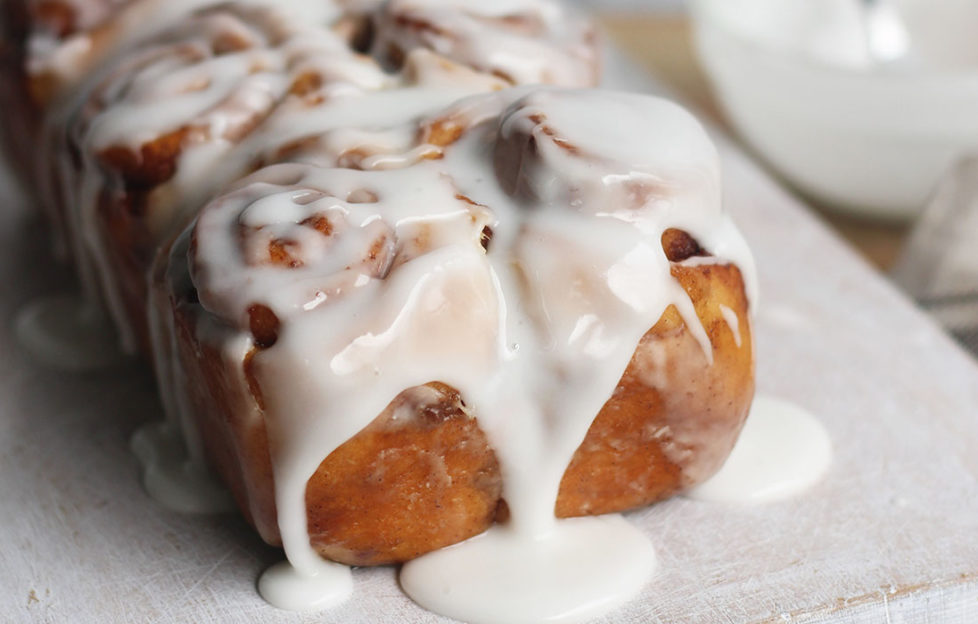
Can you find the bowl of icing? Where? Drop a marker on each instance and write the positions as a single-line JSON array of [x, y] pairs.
[[802, 86]]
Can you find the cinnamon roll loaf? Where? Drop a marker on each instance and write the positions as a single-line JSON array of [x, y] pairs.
[[534, 313], [392, 293]]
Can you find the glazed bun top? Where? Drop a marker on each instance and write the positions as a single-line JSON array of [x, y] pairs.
[[229, 88]]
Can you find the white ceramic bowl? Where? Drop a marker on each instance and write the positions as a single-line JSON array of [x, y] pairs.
[[871, 140]]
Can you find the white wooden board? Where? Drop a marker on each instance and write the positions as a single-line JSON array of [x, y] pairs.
[[891, 535]]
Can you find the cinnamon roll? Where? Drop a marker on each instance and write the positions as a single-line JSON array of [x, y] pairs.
[[525, 314]]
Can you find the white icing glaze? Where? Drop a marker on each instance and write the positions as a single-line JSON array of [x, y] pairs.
[[171, 478], [284, 587], [782, 450], [732, 322], [65, 333], [535, 334], [584, 568]]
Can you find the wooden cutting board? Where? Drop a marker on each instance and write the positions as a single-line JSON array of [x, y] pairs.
[[890, 535]]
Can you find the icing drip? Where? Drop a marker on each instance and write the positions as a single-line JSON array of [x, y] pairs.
[[782, 450], [583, 569], [172, 478], [356, 284], [323, 584], [171, 452], [732, 322]]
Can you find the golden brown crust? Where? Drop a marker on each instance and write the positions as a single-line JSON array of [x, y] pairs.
[[401, 488], [648, 442]]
